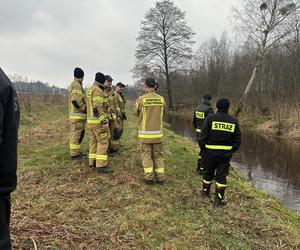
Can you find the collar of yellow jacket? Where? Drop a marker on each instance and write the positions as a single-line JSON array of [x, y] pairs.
[[151, 91], [78, 80]]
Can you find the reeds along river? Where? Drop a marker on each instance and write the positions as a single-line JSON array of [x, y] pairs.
[[271, 164]]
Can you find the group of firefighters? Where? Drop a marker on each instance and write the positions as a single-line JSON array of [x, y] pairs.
[[104, 112], [218, 134]]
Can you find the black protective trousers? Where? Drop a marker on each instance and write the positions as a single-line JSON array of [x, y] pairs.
[[5, 243], [215, 167]]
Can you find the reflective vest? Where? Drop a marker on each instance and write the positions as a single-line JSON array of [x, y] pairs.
[[77, 104], [97, 105], [150, 109]]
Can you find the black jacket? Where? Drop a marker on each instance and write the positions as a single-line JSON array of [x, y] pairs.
[[220, 135], [200, 113], [9, 123]]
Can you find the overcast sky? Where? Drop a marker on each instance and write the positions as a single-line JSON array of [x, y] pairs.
[[45, 39]]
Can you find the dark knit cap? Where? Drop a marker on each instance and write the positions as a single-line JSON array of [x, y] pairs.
[[151, 83], [78, 73], [207, 97], [223, 104], [99, 77]]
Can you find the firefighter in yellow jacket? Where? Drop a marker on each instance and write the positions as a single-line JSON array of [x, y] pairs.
[[113, 123], [150, 110], [121, 112], [77, 114], [98, 123]]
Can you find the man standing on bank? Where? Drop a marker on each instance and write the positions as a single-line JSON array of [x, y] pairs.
[[200, 113], [77, 114], [150, 109], [219, 139], [9, 123]]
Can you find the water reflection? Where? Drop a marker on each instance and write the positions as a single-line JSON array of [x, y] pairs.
[[272, 164]]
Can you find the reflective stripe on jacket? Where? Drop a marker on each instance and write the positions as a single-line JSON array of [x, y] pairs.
[[220, 135]]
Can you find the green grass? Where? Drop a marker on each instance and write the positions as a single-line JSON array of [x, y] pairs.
[[61, 204]]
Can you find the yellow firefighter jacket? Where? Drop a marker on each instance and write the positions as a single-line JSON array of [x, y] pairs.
[[77, 102], [150, 110], [121, 103], [112, 105], [97, 105]]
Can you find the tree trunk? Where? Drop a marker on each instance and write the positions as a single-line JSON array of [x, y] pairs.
[[246, 92], [171, 107]]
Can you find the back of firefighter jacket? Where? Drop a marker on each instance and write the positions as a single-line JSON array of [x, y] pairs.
[[150, 109], [220, 135], [200, 113]]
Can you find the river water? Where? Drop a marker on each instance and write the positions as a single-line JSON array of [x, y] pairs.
[[271, 164]]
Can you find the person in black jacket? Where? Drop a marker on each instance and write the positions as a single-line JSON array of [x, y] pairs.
[[219, 138], [9, 122], [200, 113]]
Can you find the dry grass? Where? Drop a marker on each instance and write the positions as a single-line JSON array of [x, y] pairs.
[[61, 204]]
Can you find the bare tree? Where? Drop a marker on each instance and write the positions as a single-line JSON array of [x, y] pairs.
[[264, 25], [164, 42]]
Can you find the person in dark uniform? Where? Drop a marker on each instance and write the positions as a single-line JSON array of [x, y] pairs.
[[219, 139], [9, 123], [200, 113]]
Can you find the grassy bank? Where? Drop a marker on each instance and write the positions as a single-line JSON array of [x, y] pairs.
[[61, 204]]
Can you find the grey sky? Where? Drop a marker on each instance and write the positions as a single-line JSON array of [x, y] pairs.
[[45, 39]]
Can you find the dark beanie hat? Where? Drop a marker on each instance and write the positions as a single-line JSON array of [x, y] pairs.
[[151, 83], [207, 97], [99, 77], [223, 104], [78, 73]]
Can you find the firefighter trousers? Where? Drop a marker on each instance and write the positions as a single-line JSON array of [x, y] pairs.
[[76, 136], [215, 167], [152, 161], [5, 243], [98, 145]]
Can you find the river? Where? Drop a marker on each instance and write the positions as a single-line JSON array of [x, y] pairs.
[[271, 164]]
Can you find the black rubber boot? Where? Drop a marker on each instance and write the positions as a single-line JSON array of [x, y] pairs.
[[219, 197], [104, 170], [78, 157], [112, 152], [148, 182], [206, 189]]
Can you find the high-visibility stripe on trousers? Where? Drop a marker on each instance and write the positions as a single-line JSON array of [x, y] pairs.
[[76, 136], [152, 160]]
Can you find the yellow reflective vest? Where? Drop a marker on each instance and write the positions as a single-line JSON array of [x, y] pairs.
[[150, 109], [77, 102], [97, 105]]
